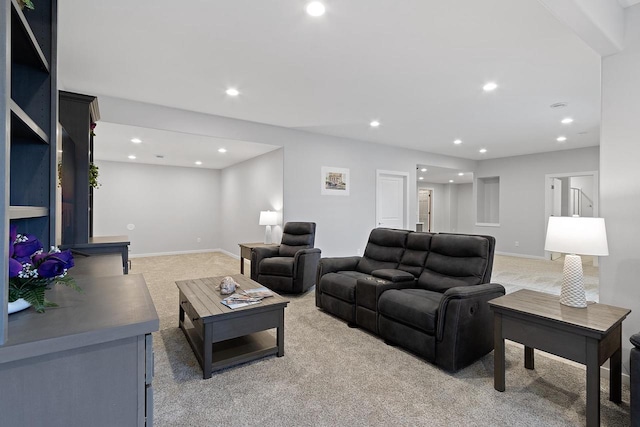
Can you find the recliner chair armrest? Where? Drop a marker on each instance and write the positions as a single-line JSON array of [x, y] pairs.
[[480, 293], [305, 265], [260, 253]]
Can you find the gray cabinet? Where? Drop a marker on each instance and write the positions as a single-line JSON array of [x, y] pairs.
[[88, 361]]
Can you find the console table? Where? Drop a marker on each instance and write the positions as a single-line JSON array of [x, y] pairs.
[[104, 245], [585, 335], [245, 251]]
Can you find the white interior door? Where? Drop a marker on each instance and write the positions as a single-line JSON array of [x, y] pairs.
[[392, 199]]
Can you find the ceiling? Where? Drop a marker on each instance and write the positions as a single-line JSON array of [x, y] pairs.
[[113, 142], [416, 66], [440, 175]]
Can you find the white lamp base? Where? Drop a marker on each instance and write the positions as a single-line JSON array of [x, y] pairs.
[[267, 235], [572, 293]]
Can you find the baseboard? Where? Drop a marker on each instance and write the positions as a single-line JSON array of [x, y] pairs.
[[197, 251], [519, 255], [236, 256]]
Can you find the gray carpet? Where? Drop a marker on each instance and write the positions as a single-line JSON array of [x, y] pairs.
[[332, 375]]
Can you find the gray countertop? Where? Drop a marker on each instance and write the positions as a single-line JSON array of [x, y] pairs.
[[108, 308]]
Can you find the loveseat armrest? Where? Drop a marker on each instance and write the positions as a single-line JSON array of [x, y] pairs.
[[260, 253], [305, 265], [331, 265], [465, 324], [368, 290], [393, 275]]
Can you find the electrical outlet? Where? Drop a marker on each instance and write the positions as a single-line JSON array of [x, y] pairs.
[[198, 240], [517, 243], [358, 251]]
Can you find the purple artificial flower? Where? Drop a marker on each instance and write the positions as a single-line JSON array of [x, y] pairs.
[[24, 250], [14, 268], [52, 265]]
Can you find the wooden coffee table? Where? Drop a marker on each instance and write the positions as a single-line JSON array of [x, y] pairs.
[[221, 337], [585, 335]]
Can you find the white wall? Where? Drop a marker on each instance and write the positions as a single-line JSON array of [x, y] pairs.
[[344, 223], [522, 195], [465, 218], [246, 189], [171, 207], [620, 178]]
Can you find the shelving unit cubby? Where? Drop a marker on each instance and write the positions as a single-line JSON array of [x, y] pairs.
[[28, 123]]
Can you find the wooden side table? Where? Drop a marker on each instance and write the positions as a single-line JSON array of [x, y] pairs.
[[245, 251], [585, 335]]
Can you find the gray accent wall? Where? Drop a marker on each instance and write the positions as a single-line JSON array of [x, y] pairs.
[[170, 207], [620, 178], [522, 195]]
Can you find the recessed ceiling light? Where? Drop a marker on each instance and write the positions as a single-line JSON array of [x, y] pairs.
[[132, 157], [489, 87], [483, 150], [222, 150], [566, 120], [423, 170], [159, 156], [420, 177], [450, 180], [460, 173], [561, 138], [232, 92], [315, 8], [457, 141], [374, 124], [198, 162], [136, 140]]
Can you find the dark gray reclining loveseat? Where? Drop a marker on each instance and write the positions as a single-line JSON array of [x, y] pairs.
[[426, 292]]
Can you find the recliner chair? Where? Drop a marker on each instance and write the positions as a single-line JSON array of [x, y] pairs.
[[291, 266]]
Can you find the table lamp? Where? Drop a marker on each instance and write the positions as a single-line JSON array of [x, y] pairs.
[[575, 236], [268, 218]]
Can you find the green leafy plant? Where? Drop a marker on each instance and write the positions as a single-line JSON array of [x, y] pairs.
[[93, 176], [26, 4]]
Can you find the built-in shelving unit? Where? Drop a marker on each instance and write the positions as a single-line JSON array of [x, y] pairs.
[[28, 123]]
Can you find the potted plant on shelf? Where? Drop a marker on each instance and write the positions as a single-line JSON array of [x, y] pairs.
[[32, 271], [26, 4]]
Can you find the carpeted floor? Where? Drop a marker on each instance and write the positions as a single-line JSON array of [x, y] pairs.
[[332, 375]]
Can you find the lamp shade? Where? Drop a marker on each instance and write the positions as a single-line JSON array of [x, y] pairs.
[[577, 235], [268, 218]]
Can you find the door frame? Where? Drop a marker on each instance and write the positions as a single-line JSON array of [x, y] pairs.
[[430, 222], [548, 197], [405, 193]]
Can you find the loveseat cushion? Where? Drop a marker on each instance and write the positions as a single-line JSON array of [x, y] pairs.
[[416, 252], [417, 308], [455, 260], [384, 250], [342, 284], [276, 266]]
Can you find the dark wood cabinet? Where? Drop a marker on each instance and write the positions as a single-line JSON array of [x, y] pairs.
[[28, 123], [77, 112]]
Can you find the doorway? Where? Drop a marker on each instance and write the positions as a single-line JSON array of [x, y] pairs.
[[392, 199], [425, 209], [568, 194]]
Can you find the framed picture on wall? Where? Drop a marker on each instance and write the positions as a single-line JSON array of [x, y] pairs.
[[334, 182]]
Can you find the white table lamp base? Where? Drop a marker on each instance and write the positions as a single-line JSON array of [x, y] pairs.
[[572, 293]]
